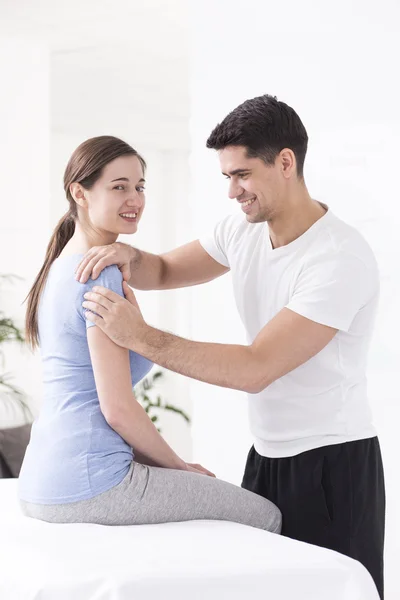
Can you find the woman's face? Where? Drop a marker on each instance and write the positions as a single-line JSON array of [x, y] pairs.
[[115, 203]]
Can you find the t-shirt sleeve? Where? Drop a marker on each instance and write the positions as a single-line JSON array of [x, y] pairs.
[[110, 277], [217, 241], [331, 290]]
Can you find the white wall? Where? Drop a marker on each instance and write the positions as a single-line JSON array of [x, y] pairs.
[[336, 64], [24, 183]]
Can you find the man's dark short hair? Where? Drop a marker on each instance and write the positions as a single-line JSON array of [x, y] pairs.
[[264, 126]]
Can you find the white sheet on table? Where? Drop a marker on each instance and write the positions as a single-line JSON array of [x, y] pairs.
[[213, 560]]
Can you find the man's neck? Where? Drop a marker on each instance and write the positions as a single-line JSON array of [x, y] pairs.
[[293, 222]]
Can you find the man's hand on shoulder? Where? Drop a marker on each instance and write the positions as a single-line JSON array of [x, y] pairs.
[[100, 257], [120, 318]]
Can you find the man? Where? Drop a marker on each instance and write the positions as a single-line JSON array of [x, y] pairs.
[[306, 286]]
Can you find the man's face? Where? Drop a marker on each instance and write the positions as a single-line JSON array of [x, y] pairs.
[[258, 187]]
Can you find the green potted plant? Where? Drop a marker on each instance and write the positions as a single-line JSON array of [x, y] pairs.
[[15, 414], [144, 392], [10, 394]]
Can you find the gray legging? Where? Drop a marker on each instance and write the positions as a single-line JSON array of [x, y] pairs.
[[156, 495]]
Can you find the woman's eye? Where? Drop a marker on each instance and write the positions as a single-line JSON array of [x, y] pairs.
[[141, 188], [119, 187]]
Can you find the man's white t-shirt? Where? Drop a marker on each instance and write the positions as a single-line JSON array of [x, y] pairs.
[[329, 275]]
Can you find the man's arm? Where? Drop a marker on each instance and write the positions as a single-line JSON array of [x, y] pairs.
[[286, 342], [328, 295], [185, 266], [188, 265]]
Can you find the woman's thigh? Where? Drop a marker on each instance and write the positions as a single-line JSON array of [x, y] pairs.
[[167, 495], [149, 495]]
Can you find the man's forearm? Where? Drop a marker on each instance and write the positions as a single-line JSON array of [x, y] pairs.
[[146, 270], [227, 365]]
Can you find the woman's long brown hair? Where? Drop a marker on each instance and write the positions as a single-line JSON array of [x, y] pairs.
[[85, 167]]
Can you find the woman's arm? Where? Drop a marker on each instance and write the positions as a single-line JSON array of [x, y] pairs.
[[120, 409]]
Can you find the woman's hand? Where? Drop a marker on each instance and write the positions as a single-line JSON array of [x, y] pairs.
[[195, 468], [99, 257]]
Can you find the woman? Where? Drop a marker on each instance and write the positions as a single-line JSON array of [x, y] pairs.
[[95, 455]]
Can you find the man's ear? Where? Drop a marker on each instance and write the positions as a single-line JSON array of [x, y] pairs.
[[288, 162], [78, 194]]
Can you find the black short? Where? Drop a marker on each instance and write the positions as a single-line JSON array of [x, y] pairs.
[[332, 497]]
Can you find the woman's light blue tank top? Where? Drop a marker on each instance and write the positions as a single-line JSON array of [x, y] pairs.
[[73, 453]]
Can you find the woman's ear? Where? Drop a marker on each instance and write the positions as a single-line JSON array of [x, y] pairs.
[[78, 194]]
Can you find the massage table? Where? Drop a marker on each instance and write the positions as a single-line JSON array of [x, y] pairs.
[[195, 560]]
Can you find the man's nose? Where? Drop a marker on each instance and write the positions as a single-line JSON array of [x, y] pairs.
[[235, 190]]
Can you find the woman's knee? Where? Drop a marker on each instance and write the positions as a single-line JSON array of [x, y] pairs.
[[278, 521], [274, 518]]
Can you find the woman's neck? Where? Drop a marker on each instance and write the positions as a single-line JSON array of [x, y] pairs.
[[83, 241]]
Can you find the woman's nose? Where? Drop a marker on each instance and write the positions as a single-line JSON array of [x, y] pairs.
[[134, 199]]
